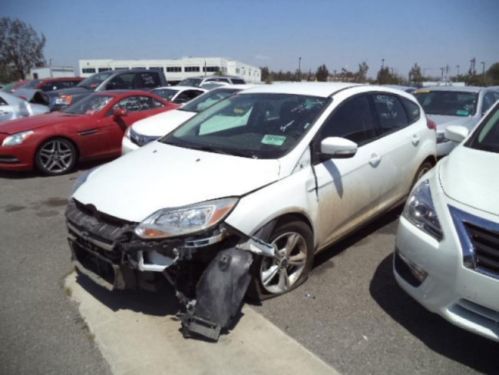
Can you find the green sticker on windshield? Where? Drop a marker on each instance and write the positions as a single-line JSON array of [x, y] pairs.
[[274, 140], [462, 112]]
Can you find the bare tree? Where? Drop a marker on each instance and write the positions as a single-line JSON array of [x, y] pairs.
[[21, 47]]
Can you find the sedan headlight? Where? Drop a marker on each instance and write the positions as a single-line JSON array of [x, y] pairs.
[[420, 211], [172, 222], [16, 139]]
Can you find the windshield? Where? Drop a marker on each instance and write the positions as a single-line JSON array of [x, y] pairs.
[[190, 82], [207, 100], [486, 137], [93, 81], [263, 126], [89, 105], [448, 103], [31, 84], [167, 94]]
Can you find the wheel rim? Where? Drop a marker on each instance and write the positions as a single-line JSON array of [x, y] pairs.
[[279, 275], [56, 156]]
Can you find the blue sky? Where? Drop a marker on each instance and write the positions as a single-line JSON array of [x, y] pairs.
[[338, 33]]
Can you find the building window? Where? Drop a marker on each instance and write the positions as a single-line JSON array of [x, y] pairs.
[[191, 69], [120, 68], [211, 69], [155, 68], [173, 69], [88, 70], [104, 69]]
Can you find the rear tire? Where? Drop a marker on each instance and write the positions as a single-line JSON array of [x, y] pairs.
[[423, 168], [271, 277], [55, 157]]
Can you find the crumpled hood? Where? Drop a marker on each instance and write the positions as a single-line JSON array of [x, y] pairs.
[[470, 177], [162, 123], [444, 121], [35, 122], [161, 176]]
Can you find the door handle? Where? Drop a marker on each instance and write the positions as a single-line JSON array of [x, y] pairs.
[[415, 139], [375, 160]]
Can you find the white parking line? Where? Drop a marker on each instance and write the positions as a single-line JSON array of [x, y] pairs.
[[135, 343]]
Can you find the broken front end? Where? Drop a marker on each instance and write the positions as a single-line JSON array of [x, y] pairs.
[[210, 270]]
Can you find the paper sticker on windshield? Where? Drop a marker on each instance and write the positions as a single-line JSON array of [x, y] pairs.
[[462, 112], [274, 140], [422, 92]]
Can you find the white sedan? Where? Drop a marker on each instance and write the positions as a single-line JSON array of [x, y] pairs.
[[447, 247], [179, 94], [154, 127]]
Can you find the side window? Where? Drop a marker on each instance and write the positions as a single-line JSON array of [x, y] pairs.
[[488, 100], [2, 102], [412, 110], [148, 80], [121, 82], [390, 112], [138, 103], [353, 120]]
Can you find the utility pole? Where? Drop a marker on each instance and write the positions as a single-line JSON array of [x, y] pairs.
[[382, 63], [457, 67], [447, 72], [442, 73], [483, 67], [299, 68]]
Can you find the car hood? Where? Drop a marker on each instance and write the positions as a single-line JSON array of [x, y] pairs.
[[161, 176], [467, 175], [444, 121], [162, 123], [35, 122]]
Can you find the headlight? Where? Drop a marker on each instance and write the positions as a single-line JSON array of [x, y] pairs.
[[171, 222], [64, 100], [420, 211], [80, 180], [16, 139]]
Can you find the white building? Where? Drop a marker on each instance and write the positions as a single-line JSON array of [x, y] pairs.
[[51, 72], [176, 69]]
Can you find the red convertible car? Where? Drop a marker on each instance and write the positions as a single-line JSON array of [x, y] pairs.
[[90, 129]]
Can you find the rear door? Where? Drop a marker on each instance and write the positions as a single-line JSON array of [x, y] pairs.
[[347, 187], [400, 131]]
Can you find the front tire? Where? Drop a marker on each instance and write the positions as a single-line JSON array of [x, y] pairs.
[[423, 168], [55, 157], [273, 277]]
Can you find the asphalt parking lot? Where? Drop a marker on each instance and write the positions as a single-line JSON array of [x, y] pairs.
[[350, 312]]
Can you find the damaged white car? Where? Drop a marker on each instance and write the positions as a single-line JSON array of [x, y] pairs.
[[246, 192]]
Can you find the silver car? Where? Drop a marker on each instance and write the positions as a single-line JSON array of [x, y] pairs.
[[12, 107], [453, 105]]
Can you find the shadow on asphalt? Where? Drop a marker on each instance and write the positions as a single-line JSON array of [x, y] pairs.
[[435, 332], [387, 223], [160, 303]]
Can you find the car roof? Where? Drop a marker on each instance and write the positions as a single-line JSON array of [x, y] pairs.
[[321, 89], [57, 79], [179, 88], [473, 89], [124, 92]]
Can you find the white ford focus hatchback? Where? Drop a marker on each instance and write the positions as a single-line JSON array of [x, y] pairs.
[[447, 247], [296, 166]]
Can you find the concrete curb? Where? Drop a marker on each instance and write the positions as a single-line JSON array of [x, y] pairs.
[[136, 343]]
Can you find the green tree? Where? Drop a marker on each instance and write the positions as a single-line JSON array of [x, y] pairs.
[[493, 74], [322, 73], [21, 47], [415, 74], [361, 75], [266, 75], [386, 76]]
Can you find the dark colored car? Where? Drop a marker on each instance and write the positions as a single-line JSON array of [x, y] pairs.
[[52, 84], [135, 79], [90, 129]]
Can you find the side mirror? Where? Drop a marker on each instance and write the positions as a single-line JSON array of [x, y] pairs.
[[336, 147], [456, 133], [119, 112]]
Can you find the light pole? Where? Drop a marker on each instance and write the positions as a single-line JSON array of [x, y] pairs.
[[382, 63], [483, 67], [457, 67], [299, 68]]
